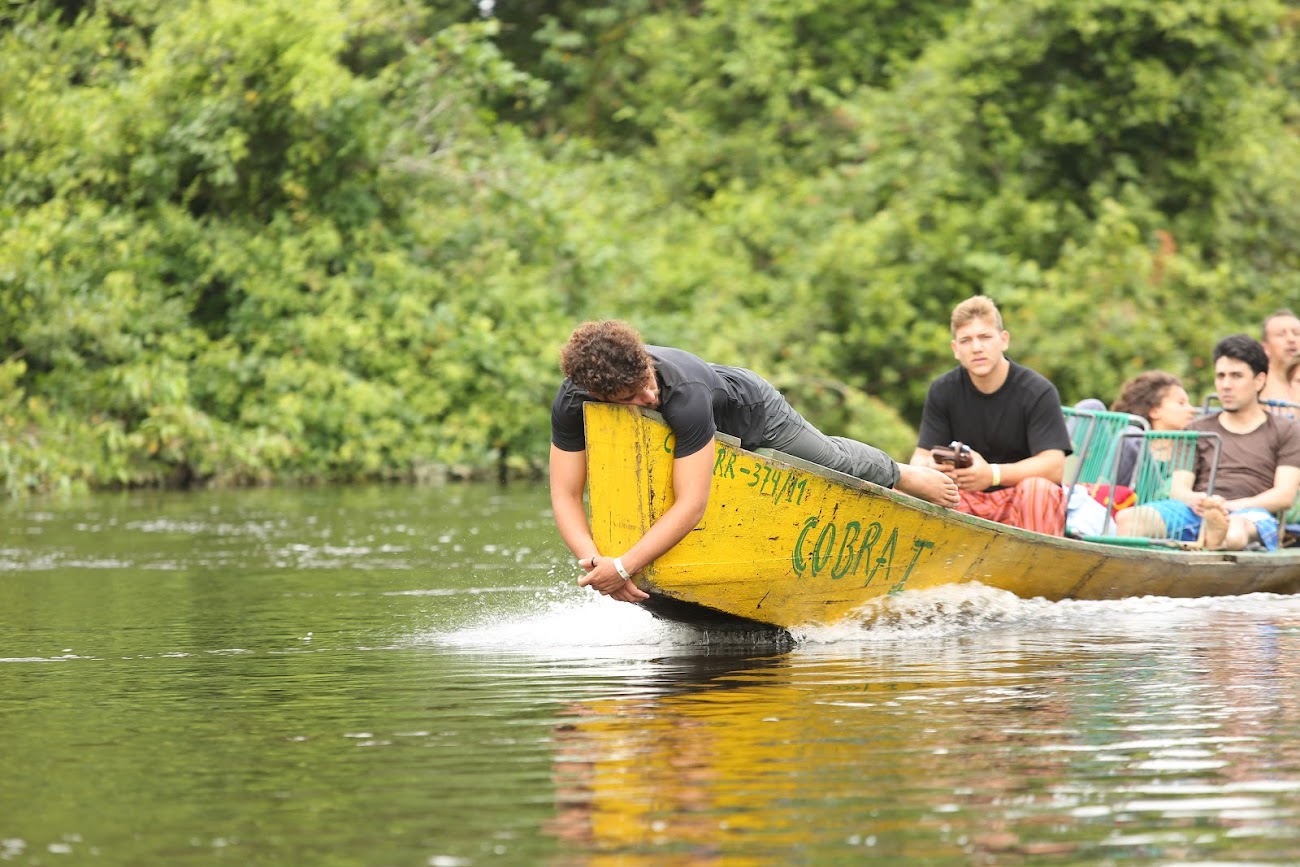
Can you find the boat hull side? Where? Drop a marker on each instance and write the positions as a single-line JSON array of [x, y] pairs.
[[789, 544]]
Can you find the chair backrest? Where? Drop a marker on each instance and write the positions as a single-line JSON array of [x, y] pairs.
[[1095, 438], [1161, 454], [1282, 408]]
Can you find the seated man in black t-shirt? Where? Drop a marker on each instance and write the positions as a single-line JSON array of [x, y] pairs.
[[607, 362], [1011, 418]]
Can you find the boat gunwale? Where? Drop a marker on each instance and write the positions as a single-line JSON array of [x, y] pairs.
[[1186, 557]]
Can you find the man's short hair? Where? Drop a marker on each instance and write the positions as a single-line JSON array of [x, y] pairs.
[[605, 358], [1279, 313], [1242, 347], [979, 307]]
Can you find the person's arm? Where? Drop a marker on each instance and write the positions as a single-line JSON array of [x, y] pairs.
[[568, 481], [1278, 498], [1049, 463], [692, 481], [1048, 439], [979, 475], [1180, 488], [936, 429]]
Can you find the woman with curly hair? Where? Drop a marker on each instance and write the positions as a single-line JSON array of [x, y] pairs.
[[1160, 398], [607, 362]]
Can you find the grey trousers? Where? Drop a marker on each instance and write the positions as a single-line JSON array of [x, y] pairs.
[[789, 432]]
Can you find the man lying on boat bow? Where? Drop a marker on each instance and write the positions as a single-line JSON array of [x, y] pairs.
[[607, 362]]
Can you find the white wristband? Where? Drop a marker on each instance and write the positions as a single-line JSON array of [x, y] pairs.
[[997, 475], [618, 567]]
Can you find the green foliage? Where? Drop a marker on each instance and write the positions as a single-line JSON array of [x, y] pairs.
[[251, 240], [993, 163]]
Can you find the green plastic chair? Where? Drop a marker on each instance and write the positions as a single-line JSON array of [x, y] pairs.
[[1289, 523], [1160, 455], [1095, 439]]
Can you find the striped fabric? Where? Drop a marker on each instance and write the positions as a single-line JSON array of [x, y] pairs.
[[1035, 503]]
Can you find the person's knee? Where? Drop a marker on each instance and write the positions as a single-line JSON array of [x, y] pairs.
[[1139, 521], [1039, 486]]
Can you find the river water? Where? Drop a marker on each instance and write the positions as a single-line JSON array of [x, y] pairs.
[[409, 676]]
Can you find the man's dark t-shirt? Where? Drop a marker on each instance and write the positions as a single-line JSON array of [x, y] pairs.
[[1019, 420], [696, 399]]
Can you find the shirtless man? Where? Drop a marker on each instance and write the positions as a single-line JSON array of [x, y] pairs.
[[1281, 341]]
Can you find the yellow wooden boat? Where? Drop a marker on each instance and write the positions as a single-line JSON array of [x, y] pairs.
[[785, 543]]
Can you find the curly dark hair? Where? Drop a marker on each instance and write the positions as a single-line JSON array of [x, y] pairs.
[[605, 358], [1143, 393]]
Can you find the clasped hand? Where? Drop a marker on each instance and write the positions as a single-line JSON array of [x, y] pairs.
[[604, 578]]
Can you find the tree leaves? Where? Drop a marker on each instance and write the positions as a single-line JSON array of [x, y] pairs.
[[243, 240]]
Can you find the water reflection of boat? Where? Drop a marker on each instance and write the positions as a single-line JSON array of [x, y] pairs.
[[785, 543], [1097, 741], [691, 773], [806, 759]]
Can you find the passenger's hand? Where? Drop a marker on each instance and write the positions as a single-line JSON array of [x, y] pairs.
[[629, 592], [977, 477], [1200, 501]]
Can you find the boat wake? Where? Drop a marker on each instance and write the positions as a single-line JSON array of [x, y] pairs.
[[567, 623], [574, 623], [957, 609]]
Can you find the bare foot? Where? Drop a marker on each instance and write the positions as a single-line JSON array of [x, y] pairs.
[[1215, 530], [927, 484]]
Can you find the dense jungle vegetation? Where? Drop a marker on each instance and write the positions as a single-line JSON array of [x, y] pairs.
[[245, 241]]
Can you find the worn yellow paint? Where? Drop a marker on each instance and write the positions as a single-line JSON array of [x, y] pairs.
[[790, 544]]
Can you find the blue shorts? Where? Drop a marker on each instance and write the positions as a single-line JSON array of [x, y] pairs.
[[1184, 525]]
